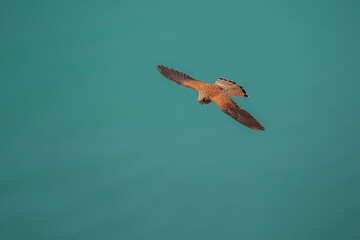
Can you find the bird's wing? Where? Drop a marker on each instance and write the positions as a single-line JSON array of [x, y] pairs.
[[228, 106], [180, 78]]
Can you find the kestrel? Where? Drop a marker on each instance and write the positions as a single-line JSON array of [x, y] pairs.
[[219, 93]]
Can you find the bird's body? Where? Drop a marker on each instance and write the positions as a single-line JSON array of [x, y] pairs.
[[219, 93], [209, 91]]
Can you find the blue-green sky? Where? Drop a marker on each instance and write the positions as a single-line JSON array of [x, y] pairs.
[[96, 144]]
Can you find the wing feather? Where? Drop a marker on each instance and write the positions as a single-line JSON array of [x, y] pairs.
[[229, 106], [180, 78]]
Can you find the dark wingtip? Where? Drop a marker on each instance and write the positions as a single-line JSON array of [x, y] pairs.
[[162, 69], [260, 128]]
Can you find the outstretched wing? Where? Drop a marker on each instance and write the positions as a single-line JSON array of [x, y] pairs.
[[228, 106], [180, 78]]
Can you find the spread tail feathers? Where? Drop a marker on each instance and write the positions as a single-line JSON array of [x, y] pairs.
[[231, 88]]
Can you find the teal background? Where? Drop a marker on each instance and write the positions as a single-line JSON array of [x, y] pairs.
[[96, 144]]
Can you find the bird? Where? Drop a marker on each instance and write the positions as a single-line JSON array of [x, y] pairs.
[[219, 93]]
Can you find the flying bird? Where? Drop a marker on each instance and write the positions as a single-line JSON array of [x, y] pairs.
[[219, 93]]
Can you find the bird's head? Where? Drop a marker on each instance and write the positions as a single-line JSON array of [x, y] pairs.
[[203, 99]]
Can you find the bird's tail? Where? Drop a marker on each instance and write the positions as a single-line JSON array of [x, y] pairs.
[[231, 88]]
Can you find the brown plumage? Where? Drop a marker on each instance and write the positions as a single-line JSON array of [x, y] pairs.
[[219, 93]]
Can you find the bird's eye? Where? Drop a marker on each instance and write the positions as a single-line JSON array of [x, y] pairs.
[[204, 99]]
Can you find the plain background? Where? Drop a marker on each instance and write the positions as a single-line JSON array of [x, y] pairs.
[[96, 144]]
